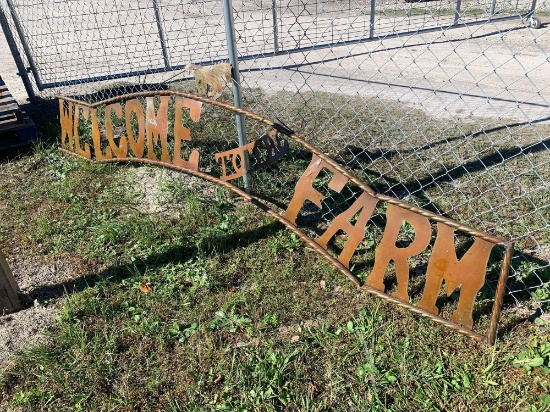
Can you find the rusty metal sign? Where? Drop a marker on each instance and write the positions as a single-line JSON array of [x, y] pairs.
[[153, 132]]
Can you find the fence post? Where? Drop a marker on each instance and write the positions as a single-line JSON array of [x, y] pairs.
[[161, 35], [275, 28], [22, 71], [492, 9], [372, 11], [25, 45], [457, 11], [9, 300], [234, 60], [532, 9]]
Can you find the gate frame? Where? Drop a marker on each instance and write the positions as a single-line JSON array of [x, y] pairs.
[[371, 36]]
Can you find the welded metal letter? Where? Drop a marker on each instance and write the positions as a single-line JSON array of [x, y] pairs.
[[366, 204], [387, 250], [182, 133], [66, 122], [120, 150], [305, 191], [468, 273], [96, 138], [136, 145], [157, 128], [85, 113]]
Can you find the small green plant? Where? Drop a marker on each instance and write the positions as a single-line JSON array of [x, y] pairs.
[[270, 319], [541, 294], [26, 397], [365, 322], [527, 269], [544, 326], [191, 274], [270, 374], [369, 371], [231, 321], [140, 322], [182, 332], [225, 222], [284, 241], [534, 355], [223, 203]]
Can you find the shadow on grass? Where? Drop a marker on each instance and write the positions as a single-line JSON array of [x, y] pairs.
[[176, 254], [417, 186], [367, 155], [45, 116]]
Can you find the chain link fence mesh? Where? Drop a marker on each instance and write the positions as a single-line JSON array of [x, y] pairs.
[[443, 104]]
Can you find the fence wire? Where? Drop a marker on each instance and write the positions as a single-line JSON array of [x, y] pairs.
[[442, 103]]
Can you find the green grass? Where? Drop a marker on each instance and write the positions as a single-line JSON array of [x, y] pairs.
[[243, 316]]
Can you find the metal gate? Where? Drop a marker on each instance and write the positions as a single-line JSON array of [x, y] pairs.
[[76, 41]]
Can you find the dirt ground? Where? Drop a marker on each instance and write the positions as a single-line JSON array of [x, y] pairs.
[[495, 70], [34, 275]]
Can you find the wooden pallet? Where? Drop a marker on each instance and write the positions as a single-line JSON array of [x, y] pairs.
[[16, 128], [9, 109]]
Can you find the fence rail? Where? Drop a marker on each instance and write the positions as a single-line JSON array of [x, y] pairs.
[[442, 103]]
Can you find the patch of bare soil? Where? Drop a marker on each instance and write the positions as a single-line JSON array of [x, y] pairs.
[[146, 181], [24, 329], [160, 190], [43, 282]]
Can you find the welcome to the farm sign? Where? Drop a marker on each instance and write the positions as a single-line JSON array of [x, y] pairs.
[[158, 128]]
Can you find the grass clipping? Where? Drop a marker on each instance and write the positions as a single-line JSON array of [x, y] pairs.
[[208, 80]]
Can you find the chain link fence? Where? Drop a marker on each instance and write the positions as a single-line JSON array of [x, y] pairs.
[[444, 104]]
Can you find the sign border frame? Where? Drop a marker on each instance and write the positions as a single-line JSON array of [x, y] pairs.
[[489, 338]]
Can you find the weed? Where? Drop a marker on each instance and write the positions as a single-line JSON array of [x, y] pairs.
[[284, 241], [182, 332], [534, 355], [231, 321], [270, 319]]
